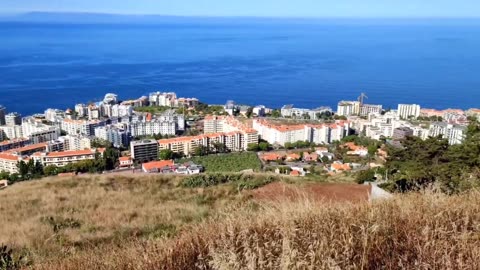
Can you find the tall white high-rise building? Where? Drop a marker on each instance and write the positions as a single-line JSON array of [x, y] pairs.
[[406, 111]]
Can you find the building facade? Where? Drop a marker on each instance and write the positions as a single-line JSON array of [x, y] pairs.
[[144, 150], [406, 111]]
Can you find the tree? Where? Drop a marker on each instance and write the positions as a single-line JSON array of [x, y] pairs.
[[249, 112], [166, 154], [253, 147], [220, 148], [50, 170], [264, 146], [365, 176], [276, 114], [372, 150], [201, 151]]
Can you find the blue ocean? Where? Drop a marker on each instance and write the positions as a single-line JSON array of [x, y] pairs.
[[308, 63]]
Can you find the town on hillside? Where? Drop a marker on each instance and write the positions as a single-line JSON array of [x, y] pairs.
[[163, 133]]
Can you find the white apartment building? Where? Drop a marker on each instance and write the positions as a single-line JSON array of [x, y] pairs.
[[77, 142], [39, 132], [153, 127], [81, 110], [454, 133], [64, 158], [233, 141], [213, 124], [81, 127], [347, 108], [168, 99], [290, 111], [122, 110], [9, 162], [319, 134], [13, 119], [259, 110], [366, 109], [406, 111], [117, 136], [12, 132], [53, 114]]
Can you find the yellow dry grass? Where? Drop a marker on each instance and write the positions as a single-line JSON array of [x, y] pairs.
[[413, 231], [58, 217]]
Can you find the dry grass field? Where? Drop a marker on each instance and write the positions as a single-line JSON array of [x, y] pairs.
[[149, 222]]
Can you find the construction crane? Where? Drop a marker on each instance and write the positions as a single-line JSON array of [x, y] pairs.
[[361, 98]]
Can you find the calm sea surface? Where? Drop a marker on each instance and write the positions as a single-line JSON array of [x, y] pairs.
[[307, 64]]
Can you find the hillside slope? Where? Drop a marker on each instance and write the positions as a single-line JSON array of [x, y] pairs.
[[150, 222]]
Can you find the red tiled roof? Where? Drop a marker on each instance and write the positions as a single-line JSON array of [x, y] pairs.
[[71, 153], [157, 164], [30, 147], [8, 157]]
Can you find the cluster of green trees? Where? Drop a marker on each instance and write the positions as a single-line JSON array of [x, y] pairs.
[[233, 162], [261, 146], [206, 109], [431, 118], [299, 144], [420, 163]]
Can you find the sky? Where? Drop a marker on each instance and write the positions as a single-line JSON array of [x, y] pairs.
[[262, 8]]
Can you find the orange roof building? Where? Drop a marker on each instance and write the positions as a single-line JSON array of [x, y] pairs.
[[157, 166]]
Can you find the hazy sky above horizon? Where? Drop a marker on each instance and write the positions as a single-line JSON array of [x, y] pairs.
[[275, 8]]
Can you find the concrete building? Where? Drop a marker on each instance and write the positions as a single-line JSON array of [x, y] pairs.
[[14, 143], [455, 134], [39, 132], [167, 99], [53, 115], [347, 108], [77, 142], [64, 158], [150, 128], [291, 112], [122, 110], [81, 127], [234, 141], [213, 124], [12, 132], [401, 133], [13, 119], [144, 150], [406, 111], [366, 109], [93, 112], [3, 112], [81, 110], [117, 136], [319, 134], [259, 110], [8, 162]]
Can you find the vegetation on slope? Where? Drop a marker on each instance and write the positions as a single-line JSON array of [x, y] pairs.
[[420, 163], [408, 232], [234, 162], [54, 218]]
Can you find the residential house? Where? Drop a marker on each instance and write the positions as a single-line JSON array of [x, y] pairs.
[[163, 166], [293, 157], [125, 162]]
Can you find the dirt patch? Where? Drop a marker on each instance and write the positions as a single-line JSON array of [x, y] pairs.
[[313, 191]]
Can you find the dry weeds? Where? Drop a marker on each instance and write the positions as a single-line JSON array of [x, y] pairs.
[[414, 231]]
